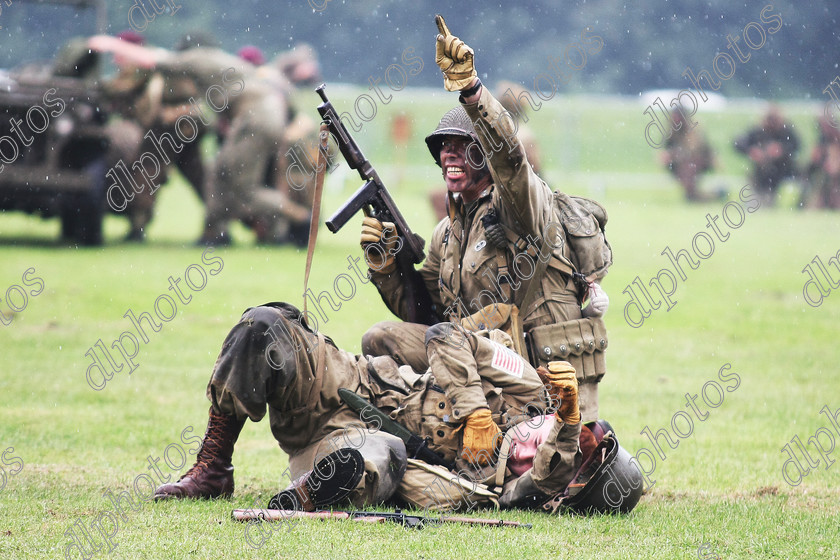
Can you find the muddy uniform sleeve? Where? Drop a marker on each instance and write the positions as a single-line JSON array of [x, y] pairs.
[[392, 287], [525, 198], [482, 372], [208, 67], [452, 361]]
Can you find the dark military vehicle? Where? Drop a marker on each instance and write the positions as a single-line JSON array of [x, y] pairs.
[[52, 129]]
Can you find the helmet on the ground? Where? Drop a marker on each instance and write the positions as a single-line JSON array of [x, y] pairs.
[[455, 122], [609, 485]]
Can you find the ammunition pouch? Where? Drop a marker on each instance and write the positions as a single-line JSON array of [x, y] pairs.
[[427, 412], [581, 342]]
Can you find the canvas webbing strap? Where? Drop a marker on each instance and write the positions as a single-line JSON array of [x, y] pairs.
[[540, 266], [320, 171], [504, 453]]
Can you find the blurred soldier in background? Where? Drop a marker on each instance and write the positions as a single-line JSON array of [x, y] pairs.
[[297, 67], [822, 184], [151, 104], [295, 183], [122, 93], [687, 155], [258, 115], [771, 147]]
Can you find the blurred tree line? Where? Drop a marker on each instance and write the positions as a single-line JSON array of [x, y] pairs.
[[647, 44]]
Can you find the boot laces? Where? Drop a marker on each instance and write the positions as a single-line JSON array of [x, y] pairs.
[[210, 448]]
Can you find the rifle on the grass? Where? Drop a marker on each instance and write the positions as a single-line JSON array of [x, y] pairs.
[[377, 202], [411, 521]]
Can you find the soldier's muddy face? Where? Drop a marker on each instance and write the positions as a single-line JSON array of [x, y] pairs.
[[460, 176]]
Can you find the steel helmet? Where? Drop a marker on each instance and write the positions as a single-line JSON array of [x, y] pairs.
[[455, 122], [609, 483]]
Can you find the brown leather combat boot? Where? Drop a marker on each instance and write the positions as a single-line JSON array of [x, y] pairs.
[[212, 474]]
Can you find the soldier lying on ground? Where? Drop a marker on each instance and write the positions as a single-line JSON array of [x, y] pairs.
[[475, 389]]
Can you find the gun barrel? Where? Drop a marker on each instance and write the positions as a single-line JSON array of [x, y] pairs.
[[321, 91], [488, 522], [284, 514]]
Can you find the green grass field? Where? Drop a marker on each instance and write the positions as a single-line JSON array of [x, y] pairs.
[[720, 493]]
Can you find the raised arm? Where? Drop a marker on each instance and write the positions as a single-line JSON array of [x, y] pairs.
[[525, 198], [126, 53]]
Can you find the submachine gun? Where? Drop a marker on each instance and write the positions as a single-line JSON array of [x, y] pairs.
[[377, 202]]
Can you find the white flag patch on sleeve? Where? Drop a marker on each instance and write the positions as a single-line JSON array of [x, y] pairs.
[[507, 361]]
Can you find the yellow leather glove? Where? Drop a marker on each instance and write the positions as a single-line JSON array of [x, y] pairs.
[[481, 436], [454, 58], [563, 387], [379, 241]]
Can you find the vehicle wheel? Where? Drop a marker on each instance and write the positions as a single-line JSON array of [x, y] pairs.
[[68, 221], [82, 214]]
